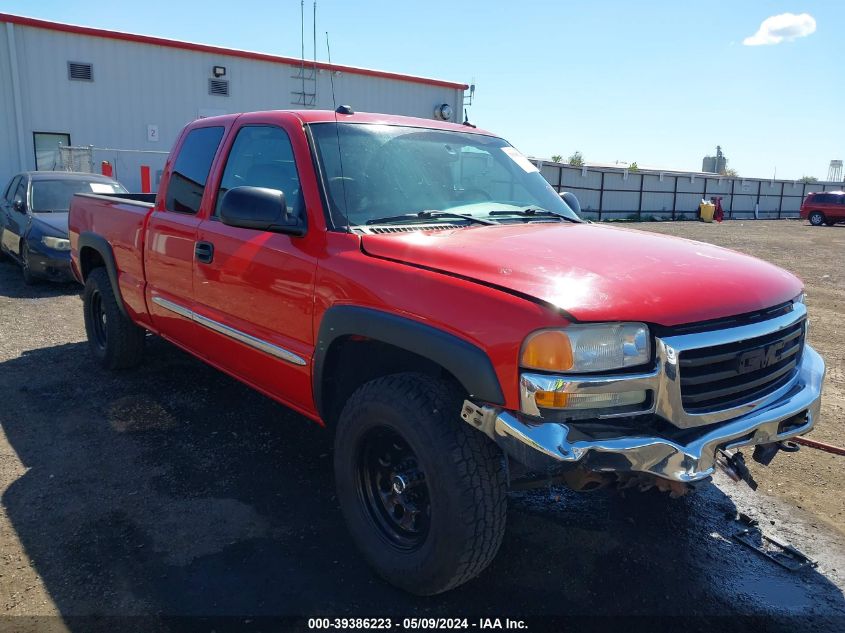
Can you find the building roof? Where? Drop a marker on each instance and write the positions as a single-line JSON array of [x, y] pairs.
[[206, 48]]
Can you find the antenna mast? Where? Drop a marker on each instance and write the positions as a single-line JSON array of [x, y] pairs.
[[306, 94]]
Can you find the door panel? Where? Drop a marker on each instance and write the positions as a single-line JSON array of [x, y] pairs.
[[16, 222], [6, 208], [256, 293], [168, 265], [172, 233], [259, 284]]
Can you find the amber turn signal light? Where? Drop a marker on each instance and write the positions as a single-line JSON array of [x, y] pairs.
[[547, 350]]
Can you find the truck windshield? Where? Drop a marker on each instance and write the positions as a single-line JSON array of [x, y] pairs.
[[55, 195], [382, 171]]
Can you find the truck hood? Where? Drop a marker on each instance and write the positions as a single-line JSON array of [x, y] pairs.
[[598, 273]]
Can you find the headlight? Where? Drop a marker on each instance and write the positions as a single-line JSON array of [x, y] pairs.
[[587, 348], [56, 243], [799, 299]]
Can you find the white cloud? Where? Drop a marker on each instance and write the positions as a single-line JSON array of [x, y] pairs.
[[782, 28]]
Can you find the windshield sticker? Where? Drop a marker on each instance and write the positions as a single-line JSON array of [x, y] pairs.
[[519, 159], [99, 187]]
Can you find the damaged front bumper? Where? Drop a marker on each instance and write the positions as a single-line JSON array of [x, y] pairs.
[[684, 455]]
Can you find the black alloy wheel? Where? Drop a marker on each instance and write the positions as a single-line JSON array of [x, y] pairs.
[[98, 319], [393, 488]]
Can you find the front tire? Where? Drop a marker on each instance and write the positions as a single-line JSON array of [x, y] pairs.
[[816, 218], [29, 277], [115, 341], [423, 494]]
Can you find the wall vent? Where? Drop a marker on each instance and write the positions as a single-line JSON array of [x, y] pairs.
[[219, 87], [79, 71]]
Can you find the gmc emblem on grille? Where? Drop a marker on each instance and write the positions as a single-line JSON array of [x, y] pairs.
[[755, 359]]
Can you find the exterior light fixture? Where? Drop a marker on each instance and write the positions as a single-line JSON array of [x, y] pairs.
[[443, 112]]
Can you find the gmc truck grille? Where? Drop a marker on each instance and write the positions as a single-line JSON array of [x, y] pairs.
[[726, 376]]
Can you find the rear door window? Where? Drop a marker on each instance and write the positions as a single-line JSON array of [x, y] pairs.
[[190, 171]]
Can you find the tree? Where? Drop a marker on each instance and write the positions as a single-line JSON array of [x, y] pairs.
[[808, 179], [576, 159], [633, 167], [556, 158], [730, 172]]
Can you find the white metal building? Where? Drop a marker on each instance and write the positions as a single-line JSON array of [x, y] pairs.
[[62, 84]]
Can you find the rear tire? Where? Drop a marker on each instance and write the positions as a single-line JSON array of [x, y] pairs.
[[816, 218], [423, 494], [115, 341]]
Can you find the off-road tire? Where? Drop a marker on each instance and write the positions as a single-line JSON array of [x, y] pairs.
[[816, 218], [465, 476], [116, 342]]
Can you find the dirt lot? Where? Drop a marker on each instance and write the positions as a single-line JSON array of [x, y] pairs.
[[172, 490]]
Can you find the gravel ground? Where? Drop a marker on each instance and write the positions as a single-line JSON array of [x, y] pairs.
[[172, 490]]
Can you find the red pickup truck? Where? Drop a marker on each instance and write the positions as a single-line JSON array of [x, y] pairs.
[[420, 290]]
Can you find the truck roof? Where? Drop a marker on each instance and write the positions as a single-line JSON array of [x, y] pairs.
[[330, 116]]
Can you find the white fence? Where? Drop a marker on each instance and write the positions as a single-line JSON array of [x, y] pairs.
[[607, 194]]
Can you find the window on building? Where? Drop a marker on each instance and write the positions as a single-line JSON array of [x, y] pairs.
[[47, 146], [262, 156], [190, 172]]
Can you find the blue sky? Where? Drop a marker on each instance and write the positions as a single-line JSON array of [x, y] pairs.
[[657, 82]]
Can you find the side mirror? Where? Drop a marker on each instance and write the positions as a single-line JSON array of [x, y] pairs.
[[572, 201], [259, 208], [19, 206]]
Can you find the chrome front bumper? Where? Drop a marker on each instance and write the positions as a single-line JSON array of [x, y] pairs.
[[542, 445]]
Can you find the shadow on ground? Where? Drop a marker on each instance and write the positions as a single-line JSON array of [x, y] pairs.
[[14, 287], [172, 489]]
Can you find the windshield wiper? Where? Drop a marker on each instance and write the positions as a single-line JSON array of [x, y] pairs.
[[427, 215], [532, 212]]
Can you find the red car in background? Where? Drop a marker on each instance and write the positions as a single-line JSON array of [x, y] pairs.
[[824, 207]]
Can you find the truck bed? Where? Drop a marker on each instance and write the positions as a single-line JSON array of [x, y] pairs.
[[123, 218]]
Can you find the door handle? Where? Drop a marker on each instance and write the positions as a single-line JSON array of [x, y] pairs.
[[204, 252]]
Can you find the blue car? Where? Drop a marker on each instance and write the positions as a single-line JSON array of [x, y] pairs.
[[33, 219]]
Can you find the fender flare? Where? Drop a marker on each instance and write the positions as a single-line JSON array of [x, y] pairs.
[[102, 246], [465, 361]]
